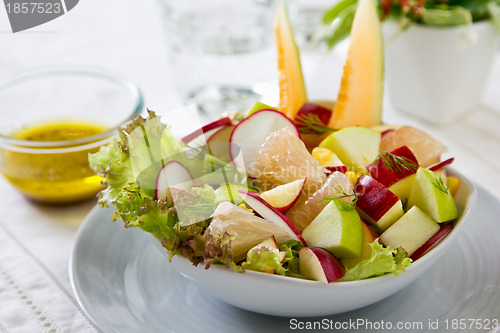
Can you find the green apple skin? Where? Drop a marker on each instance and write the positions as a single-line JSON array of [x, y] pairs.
[[355, 146], [411, 231], [403, 187], [259, 106], [368, 237], [337, 230], [433, 200]]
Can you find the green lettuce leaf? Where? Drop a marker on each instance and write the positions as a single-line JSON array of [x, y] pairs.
[[151, 142], [157, 219], [384, 260], [130, 164], [192, 243], [264, 260], [218, 251], [196, 205], [135, 157], [291, 262], [188, 242], [113, 164]]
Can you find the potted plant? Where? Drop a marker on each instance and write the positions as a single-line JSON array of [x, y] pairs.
[[438, 52]]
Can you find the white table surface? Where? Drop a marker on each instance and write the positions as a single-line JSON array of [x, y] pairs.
[[126, 37]]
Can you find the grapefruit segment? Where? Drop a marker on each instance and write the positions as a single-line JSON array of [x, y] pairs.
[[283, 158], [359, 102], [291, 81], [426, 149], [247, 229], [309, 205]]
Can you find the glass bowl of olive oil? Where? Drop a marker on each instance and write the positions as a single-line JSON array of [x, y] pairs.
[[51, 120]]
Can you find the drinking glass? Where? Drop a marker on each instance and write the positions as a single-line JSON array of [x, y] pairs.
[[222, 52]]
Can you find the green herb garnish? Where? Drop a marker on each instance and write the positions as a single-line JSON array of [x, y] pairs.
[[395, 163], [342, 204], [311, 124], [198, 152], [438, 182]]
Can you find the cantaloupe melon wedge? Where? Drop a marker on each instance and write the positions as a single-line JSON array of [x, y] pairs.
[[359, 101], [291, 81]]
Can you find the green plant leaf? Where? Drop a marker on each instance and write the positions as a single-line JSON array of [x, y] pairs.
[[342, 30], [446, 16], [494, 13], [336, 11]]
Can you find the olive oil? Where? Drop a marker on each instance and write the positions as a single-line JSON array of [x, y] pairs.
[[49, 175]]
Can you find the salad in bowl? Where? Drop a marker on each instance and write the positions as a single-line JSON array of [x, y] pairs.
[[323, 200]]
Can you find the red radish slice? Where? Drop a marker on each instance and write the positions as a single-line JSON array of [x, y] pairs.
[[173, 174], [271, 214], [442, 164], [222, 122], [432, 242], [249, 135]]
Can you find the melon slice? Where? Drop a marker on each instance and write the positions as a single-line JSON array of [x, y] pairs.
[[291, 81], [359, 101]]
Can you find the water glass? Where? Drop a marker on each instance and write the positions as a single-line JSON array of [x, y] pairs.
[[222, 52]]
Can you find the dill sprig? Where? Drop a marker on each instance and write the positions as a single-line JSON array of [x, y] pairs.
[[215, 163], [438, 182], [198, 152], [342, 204], [310, 123], [395, 163]]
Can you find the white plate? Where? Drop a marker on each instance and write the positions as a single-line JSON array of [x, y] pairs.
[[124, 284]]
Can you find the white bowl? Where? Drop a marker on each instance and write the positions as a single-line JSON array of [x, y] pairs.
[[291, 297]]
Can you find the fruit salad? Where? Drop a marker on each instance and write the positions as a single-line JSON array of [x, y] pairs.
[[319, 191], [248, 194]]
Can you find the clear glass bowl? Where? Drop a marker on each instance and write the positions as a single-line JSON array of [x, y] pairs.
[[54, 168]]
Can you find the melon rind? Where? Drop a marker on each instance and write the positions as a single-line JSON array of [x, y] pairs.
[[359, 102], [291, 81]]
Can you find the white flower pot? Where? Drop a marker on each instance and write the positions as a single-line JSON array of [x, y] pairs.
[[439, 74]]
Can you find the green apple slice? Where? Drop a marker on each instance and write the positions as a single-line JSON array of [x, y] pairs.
[[368, 237], [403, 187], [411, 231], [259, 106], [355, 146], [337, 229], [430, 194]]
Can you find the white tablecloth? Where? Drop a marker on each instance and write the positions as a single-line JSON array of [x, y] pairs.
[[126, 37]]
